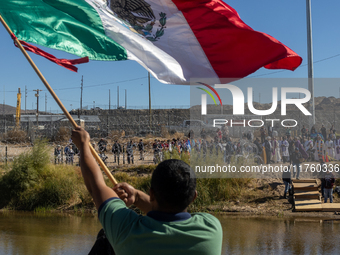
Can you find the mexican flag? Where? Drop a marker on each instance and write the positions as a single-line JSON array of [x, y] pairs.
[[175, 40]]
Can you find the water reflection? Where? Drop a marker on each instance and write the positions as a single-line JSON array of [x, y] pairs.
[[26, 233], [279, 236]]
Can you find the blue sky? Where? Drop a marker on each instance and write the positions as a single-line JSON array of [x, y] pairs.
[[284, 20]]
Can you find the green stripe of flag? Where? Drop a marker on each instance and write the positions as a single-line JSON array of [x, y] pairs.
[[69, 25]]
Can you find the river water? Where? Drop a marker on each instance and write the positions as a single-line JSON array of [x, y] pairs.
[[40, 234]]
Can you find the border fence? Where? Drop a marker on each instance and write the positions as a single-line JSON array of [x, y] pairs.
[[126, 124]]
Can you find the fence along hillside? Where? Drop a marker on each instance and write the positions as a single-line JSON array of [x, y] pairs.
[[101, 123]]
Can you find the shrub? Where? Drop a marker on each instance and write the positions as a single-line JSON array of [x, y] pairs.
[[34, 182], [24, 173], [63, 134], [16, 136]]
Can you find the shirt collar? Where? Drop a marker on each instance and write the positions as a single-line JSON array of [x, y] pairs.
[[168, 217]]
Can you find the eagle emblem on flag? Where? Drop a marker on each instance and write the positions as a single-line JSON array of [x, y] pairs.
[[140, 16]]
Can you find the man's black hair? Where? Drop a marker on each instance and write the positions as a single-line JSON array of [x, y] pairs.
[[173, 183]]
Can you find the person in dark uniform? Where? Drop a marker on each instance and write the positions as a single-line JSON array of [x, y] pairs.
[[129, 152], [102, 145], [286, 177], [296, 156], [141, 149], [116, 150], [57, 154]]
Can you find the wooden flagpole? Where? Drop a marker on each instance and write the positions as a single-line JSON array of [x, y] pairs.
[[62, 107]]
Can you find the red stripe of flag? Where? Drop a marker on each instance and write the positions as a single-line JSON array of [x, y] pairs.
[[233, 48]]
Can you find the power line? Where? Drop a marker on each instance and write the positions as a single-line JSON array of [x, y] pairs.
[[12, 91], [74, 101], [280, 71], [103, 84], [89, 86]]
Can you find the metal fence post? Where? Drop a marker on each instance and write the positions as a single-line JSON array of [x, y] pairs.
[[123, 155], [62, 155], [6, 155]]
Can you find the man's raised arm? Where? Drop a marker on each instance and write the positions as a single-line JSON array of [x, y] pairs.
[[90, 170]]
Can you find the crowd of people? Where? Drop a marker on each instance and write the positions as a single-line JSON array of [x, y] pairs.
[[269, 146], [310, 146], [314, 145]]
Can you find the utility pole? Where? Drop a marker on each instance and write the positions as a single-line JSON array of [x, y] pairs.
[[109, 100], [3, 109], [300, 116], [125, 99], [310, 62], [150, 117], [18, 109], [107, 121], [25, 97], [45, 103], [37, 96], [334, 115], [117, 97], [81, 94], [259, 98]]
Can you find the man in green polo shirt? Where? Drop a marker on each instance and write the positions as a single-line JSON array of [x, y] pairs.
[[167, 227]]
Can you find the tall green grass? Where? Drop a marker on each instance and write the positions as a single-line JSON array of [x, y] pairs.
[[33, 182], [216, 191]]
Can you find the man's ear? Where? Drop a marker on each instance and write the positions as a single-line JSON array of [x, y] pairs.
[[152, 195]]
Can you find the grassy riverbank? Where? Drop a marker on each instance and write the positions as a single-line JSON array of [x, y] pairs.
[[31, 182]]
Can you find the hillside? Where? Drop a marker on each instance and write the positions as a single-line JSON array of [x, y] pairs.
[[11, 110]]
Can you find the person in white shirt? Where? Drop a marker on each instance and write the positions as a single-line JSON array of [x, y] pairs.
[[329, 148], [319, 148], [284, 148], [276, 151]]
